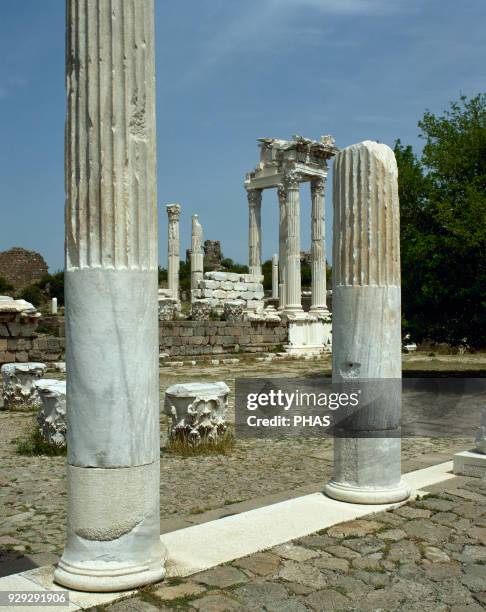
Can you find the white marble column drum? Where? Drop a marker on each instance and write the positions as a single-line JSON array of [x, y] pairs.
[[282, 238], [318, 248], [292, 243], [197, 256], [173, 248], [366, 323], [275, 277], [255, 231], [113, 531]]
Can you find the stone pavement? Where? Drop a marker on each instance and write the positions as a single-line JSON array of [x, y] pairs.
[[427, 555]]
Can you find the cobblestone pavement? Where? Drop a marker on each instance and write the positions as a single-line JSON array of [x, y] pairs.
[[428, 555], [33, 489]]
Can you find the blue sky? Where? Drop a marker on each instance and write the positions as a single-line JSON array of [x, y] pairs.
[[228, 72]]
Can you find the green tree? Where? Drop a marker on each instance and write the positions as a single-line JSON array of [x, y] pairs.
[[443, 226], [5, 287]]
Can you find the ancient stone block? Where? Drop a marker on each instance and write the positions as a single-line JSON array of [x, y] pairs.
[[197, 411], [51, 416], [19, 391]]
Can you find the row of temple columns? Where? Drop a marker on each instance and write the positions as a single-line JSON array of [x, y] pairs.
[[289, 284]]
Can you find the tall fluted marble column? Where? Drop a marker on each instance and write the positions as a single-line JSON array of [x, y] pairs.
[[173, 246], [292, 243], [255, 231], [197, 256], [282, 247], [113, 531], [275, 277], [366, 324], [318, 248]]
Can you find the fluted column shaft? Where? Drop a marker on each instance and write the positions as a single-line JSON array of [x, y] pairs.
[[318, 248], [255, 231], [275, 277], [173, 246], [366, 323], [292, 243], [197, 256], [113, 539], [282, 243]]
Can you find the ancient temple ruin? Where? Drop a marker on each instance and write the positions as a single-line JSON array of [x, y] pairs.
[[284, 165]]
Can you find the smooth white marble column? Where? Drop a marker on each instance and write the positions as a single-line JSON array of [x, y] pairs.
[[54, 306], [173, 249], [282, 244], [292, 243], [275, 277], [366, 323], [113, 532], [318, 248], [197, 256], [255, 231]]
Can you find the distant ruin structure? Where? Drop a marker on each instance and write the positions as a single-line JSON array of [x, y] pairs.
[[212, 256], [21, 268]]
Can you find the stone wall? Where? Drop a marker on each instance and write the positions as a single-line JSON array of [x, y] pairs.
[[220, 287], [21, 268], [218, 337], [193, 338]]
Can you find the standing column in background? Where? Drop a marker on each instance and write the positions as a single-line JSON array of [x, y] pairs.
[[197, 256], [173, 246], [282, 239], [292, 243], [275, 277], [255, 231], [113, 531], [318, 248], [366, 324]]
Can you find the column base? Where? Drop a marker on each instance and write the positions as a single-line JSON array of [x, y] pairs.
[[107, 577], [354, 494], [319, 310]]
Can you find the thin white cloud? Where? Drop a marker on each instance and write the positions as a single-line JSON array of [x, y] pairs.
[[347, 7], [265, 24]]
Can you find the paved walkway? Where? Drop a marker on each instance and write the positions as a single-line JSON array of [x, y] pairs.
[[428, 555]]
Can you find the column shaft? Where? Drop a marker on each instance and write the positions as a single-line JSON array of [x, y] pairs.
[[292, 243], [173, 246], [113, 533], [282, 243], [255, 231], [318, 248], [197, 256], [275, 277], [366, 323]]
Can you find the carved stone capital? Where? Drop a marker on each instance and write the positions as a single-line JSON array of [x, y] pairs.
[[318, 187], [173, 212], [254, 197], [292, 179]]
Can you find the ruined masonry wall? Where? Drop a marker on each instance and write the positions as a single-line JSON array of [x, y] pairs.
[[176, 338]]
